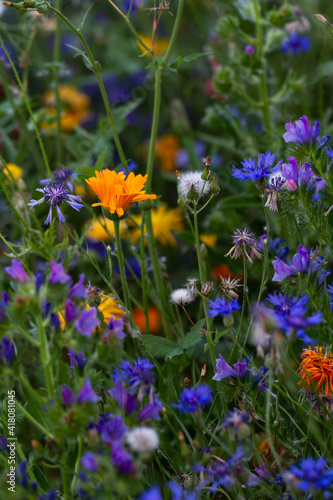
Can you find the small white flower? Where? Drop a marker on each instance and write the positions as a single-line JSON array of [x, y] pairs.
[[143, 439], [189, 180], [181, 297]]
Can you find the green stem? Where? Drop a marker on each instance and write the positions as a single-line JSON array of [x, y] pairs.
[[158, 276], [266, 257], [33, 420], [298, 231], [267, 418], [66, 482], [263, 82], [56, 59], [154, 127], [23, 458], [26, 100], [122, 266], [77, 463], [45, 357], [174, 31], [197, 244], [96, 68], [243, 307]]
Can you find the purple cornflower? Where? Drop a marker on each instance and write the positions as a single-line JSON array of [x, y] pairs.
[[121, 458], [126, 401], [256, 170], [77, 359], [151, 409], [295, 44], [87, 323], [58, 274], [303, 173], [3, 304], [116, 327], [220, 306], [111, 428], [236, 419], [54, 195], [71, 311], [16, 271], [249, 50], [138, 375], [311, 475], [78, 290], [244, 242], [224, 370], [303, 261], [285, 305], [273, 187], [90, 461], [153, 493], [194, 398], [87, 393], [68, 395], [64, 176], [8, 350], [302, 132]]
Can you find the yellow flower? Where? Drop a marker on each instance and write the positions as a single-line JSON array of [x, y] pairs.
[[116, 192], [165, 221], [209, 240], [109, 307], [160, 46], [12, 170], [97, 231], [166, 149], [75, 107]]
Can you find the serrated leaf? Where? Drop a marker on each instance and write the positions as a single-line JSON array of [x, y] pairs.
[[161, 346], [192, 338]]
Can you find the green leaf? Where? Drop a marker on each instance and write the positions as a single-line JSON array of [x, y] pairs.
[[187, 59], [41, 479], [191, 338], [246, 200], [79, 52], [34, 408], [162, 347]]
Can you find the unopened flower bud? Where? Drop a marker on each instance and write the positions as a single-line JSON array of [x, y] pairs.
[[186, 381], [320, 18], [41, 10], [214, 187], [207, 288], [204, 370], [228, 321], [146, 205], [206, 174]]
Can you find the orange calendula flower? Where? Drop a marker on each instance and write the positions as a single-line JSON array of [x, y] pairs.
[[117, 192], [317, 369], [154, 318], [166, 150]]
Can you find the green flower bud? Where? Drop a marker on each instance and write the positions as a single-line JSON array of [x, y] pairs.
[[214, 187], [146, 205]]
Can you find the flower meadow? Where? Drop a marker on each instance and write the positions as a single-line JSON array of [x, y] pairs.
[[166, 250]]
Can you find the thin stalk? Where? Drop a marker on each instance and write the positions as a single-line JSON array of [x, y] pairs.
[[66, 482], [96, 68], [266, 259], [77, 463], [267, 418], [243, 306], [120, 257], [154, 126], [33, 420], [45, 357], [174, 31], [26, 100], [197, 244], [263, 82], [56, 59], [23, 458], [144, 272]]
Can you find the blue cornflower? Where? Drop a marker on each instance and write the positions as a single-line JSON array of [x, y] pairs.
[[111, 428], [90, 461], [224, 370], [286, 305], [77, 359], [151, 409], [256, 171], [16, 271], [137, 375], [312, 476], [295, 44], [54, 195], [194, 398], [126, 401], [220, 306], [64, 176]]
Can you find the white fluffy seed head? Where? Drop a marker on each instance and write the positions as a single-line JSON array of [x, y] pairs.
[[181, 297], [192, 180], [143, 439]]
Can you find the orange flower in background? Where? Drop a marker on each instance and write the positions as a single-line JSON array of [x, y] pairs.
[[154, 318], [317, 369], [117, 192], [209, 240], [223, 270], [74, 108], [166, 150]]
